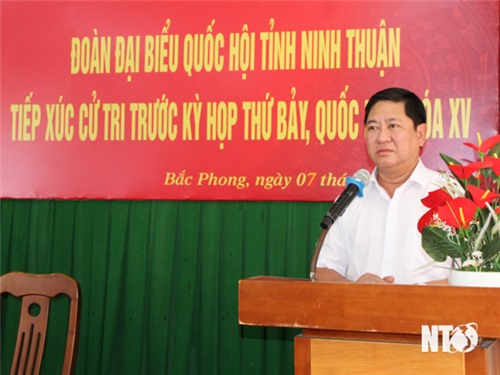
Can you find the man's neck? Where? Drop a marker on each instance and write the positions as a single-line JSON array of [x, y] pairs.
[[391, 180]]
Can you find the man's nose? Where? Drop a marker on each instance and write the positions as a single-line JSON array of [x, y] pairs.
[[383, 135]]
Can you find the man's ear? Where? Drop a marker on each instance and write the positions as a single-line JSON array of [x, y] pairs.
[[421, 133]]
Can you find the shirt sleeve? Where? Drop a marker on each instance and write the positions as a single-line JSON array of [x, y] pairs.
[[333, 253]]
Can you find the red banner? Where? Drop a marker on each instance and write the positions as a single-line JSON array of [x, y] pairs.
[[229, 100]]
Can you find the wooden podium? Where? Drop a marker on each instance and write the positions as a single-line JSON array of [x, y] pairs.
[[374, 329]]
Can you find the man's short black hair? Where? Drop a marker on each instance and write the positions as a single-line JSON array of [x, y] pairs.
[[414, 108]]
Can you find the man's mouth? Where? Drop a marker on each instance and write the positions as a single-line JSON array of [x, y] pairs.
[[384, 151]]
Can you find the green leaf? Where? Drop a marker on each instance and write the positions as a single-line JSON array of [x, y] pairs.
[[494, 150], [491, 248], [436, 243], [449, 160]]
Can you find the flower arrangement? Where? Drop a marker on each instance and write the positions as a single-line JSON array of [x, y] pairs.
[[463, 220]]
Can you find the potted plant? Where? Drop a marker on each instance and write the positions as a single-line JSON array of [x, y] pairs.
[[463, 218]]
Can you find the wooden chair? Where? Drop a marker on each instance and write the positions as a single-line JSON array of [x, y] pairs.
[[36, 292]]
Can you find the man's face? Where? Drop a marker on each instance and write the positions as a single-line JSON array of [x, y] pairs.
[[392, 142]]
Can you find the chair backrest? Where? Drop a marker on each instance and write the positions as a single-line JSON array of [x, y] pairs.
[[36, 292]]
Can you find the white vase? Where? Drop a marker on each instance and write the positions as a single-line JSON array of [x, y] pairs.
[[471, 278]]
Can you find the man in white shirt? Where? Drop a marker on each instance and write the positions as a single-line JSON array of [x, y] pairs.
[[376, 240]]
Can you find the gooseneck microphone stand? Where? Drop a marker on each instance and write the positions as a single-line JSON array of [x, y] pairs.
[[317, 249]]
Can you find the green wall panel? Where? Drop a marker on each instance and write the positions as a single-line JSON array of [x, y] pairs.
[[159, 279]]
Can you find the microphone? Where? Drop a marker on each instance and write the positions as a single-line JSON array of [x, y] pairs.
[[355, 185]]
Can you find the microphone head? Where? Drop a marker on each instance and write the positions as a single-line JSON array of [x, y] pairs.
[[362, 175]]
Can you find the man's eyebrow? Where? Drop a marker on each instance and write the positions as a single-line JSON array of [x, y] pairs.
[[390, 119]]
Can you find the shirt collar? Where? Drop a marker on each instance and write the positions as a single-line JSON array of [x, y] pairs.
[[418, 176]]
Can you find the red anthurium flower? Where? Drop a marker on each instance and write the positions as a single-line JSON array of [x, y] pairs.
[[495, 164], [465, 171], [486, 145], [435, 198], [457, 212], [480, 196], [426, 219]]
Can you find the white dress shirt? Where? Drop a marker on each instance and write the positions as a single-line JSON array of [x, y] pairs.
[[379, 235]]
